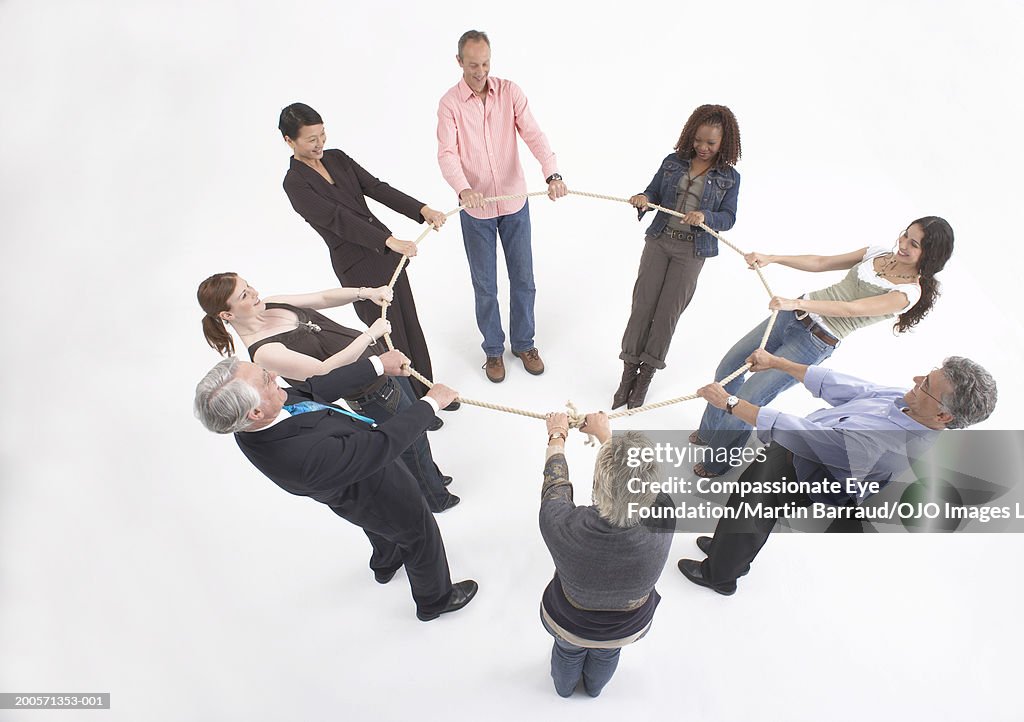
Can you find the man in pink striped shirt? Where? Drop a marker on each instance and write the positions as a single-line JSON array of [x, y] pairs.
[[478, 153]]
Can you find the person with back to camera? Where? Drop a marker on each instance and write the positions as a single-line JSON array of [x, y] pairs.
[[286, 336], [881, 283], [308, 447], [698, 180], [327, 188], [602, 596]]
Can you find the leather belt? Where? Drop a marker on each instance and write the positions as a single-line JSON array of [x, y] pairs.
[[367, 394], [818, 331], [680, 235]]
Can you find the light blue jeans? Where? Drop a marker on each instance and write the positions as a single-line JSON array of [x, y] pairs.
[[570, 663], [480, 238], [789, 339]]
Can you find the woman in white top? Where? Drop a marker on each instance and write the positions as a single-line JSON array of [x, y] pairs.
[[882, 283]]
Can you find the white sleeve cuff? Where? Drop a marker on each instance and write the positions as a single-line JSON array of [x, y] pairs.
[[433, 404], [378, 365]]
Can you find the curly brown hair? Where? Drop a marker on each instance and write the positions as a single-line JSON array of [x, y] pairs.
[[718, 116], [936, 249]]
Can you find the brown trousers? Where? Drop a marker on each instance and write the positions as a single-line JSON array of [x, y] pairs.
[[664, 287]]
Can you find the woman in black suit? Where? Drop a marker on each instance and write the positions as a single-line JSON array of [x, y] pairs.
[[327, 188]]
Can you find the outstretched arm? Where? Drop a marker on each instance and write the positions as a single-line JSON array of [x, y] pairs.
[[334, 297], [882, 305], [814, 264]]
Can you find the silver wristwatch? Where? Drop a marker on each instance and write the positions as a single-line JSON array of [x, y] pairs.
[[730, 404]]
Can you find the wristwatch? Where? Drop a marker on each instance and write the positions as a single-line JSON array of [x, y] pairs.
[[553, 177], [730, 404]]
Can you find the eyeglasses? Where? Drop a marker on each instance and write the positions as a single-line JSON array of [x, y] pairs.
[[922, 389]]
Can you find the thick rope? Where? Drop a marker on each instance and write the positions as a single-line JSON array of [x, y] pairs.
[[576, 419]]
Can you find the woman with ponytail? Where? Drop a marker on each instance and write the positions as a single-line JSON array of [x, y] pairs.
[[286, 336], [881, 283]]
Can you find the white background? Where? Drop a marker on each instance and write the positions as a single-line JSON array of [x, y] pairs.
[[142, 556]]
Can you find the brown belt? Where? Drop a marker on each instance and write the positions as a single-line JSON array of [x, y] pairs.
[[818, 331]]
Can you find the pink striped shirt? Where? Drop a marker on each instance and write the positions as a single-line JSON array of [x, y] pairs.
[[477, 145]]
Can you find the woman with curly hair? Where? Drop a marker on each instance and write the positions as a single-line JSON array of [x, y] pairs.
[[699, 181], [882, 282]]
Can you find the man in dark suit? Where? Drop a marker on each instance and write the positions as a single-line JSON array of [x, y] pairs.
[[310, 448]]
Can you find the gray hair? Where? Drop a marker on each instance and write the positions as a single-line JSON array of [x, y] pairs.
[[223, 402], [973, 397], [612, 472], [474, 35]]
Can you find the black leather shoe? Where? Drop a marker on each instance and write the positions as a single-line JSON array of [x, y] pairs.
[[385, 577], [446, 480], [453, 406], [706, 544], [693, 570], [435, 424], [461, 595], [447, 504]]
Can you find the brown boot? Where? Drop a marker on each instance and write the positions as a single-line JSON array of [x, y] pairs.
[[531, 361], [626, 384], [494, 367], [643, 382]]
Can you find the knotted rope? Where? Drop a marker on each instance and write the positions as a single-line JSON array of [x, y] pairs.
[[575, 418]]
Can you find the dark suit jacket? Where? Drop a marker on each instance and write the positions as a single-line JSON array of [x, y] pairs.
[[339, 213], [324, 454]]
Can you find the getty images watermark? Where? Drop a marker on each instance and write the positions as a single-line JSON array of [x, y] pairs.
[[967, 481]]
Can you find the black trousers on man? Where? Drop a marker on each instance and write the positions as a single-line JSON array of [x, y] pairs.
[[737, 541]]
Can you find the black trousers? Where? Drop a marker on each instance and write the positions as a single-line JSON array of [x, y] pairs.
[[737, 541], [402, 531]]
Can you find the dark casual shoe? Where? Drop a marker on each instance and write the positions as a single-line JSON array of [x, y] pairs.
[[385, 577], [704, 544], [453, 406], [643, 382], [629, 371], [435, 424], [446, 480], [694, 571], [531, 360], [447, 504], [495, 369], [462, 593]]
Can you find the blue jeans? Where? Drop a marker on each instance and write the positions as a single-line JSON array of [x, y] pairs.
[[390, 399], [789, 339], [570, 663], [480, 239]]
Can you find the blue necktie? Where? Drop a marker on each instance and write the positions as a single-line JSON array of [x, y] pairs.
[[304, 406]]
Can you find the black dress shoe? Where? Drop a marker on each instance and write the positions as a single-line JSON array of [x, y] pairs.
[[447, 504], [704, 544], [453, 406], [693, 570], [446, 480], [385, 577], [435, 424], [461, 595]]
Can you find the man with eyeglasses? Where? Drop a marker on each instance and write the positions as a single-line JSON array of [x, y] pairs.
[[871, 433]]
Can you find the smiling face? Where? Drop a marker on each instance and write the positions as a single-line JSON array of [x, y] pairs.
[[706, 142], [924, 401], [476, 64], [308, 144], [909, 246], [272, 396], [244, 302]]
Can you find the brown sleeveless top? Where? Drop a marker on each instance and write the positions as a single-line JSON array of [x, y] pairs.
[[321, 345]]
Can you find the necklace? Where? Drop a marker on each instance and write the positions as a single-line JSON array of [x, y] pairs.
[[309, 326], [887, 271]]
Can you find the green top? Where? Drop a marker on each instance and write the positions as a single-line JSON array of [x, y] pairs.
[[860, 282]]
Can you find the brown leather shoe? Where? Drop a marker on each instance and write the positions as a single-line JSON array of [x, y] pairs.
[[495, 369], [643, 382], [629, 372], [531, 360]]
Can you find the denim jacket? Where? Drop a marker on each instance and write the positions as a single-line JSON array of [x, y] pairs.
[[721, 189]]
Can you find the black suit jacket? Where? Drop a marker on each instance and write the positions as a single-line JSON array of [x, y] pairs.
[[339, 212], [325, 454]]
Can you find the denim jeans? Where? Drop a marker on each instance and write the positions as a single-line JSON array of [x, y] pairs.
[[569, 663], [480, 238], [390, 399], [789, 339]]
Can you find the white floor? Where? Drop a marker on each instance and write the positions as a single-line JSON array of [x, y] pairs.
[[141, 556]]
